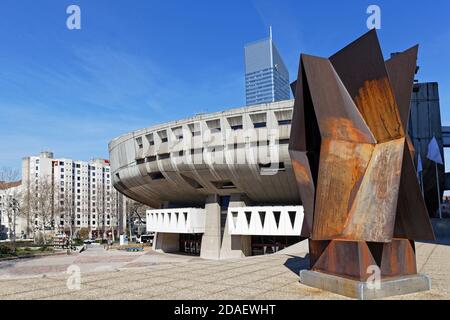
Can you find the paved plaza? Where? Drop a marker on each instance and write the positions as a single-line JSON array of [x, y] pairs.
[[117, 274]]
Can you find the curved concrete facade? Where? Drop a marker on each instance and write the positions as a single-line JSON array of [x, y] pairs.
[[238, 151]]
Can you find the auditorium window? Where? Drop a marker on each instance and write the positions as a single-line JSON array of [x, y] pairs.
[[156, 175], [224, 184], [139, 142]]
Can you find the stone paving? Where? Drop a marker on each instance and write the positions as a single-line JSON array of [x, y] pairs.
[[149, 275]]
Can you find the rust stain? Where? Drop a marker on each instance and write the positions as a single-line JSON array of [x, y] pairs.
[[372, 216], [376, 102], [301, 172], [342, 166], [344, 129]]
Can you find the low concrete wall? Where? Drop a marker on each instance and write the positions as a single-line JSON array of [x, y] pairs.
[[167, 242]]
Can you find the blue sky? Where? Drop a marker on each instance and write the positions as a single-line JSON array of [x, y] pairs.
[[142, 62]]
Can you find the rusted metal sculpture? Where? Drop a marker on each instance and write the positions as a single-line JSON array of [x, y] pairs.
[[353, 161]]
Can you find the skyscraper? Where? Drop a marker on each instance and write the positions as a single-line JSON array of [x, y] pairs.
[[266, 76]]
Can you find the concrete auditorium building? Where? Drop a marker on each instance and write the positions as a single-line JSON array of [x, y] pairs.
[[222, 184]]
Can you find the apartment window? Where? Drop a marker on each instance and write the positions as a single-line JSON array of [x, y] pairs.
[[151, 158], [61, 163], [62, 176], [78, 210], [140, 161]]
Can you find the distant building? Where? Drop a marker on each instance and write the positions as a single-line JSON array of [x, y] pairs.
[[424, 124], [266, 76], [82, 194], [10, 193]]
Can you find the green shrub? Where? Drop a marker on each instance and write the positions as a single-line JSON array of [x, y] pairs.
[[77, 242], [6, 249]]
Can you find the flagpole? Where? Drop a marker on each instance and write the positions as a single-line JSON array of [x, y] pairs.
[[438, 190], [421, 170], [421, 183]]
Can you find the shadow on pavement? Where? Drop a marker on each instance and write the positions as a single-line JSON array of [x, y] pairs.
[[295, 263]]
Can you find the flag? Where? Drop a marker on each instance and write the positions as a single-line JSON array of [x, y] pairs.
[[434, 154], [419, 164]]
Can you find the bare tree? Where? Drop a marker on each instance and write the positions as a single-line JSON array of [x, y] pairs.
[[114, 208], [100, 207], [9, 181], [135, 215], [42, 205], [66, 208]]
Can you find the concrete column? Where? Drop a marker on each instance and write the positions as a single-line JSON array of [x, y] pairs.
[[166, 242], [235, 246], [211, 239]]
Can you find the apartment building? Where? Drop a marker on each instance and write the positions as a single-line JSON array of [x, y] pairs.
[[68, 195]]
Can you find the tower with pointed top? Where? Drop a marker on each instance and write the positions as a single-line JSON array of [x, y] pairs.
[[266, 75]]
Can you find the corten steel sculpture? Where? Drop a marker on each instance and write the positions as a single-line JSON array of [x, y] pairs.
[[353, 162]]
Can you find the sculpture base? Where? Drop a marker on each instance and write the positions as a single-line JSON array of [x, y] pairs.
[[360, 290]]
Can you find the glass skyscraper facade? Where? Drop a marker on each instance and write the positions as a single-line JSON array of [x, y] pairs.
[[266, 76]]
